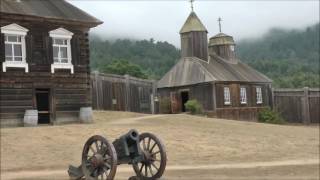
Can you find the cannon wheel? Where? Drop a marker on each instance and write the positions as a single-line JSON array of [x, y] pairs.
[[154, 162], [99, 159]]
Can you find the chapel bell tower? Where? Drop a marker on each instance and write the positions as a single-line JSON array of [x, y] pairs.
[[194, 40]]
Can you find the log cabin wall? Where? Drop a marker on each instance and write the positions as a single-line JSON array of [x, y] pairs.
[[68, 92], [211, 97]]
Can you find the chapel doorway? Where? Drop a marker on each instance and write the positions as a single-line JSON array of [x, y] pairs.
[[184, 99]]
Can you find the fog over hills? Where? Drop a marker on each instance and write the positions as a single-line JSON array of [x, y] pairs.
[[289, 57], [162, 20]]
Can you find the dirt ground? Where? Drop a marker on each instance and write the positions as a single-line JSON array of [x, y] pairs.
[[197, 147]]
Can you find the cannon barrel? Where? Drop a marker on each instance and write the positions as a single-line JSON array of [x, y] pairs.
[[132, 137], [127, 146]]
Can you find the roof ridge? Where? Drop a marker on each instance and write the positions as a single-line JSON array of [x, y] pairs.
[[224, 60], [82, 11], [197, 60], [59, 10]]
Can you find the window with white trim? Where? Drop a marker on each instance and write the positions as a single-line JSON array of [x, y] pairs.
[[15, 47], [243, 95], [259, 95], [61, 49], [227, 99]]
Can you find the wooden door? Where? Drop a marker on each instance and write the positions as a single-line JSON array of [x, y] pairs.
[[175, 105]]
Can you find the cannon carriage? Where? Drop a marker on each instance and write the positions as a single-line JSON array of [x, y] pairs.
[[145, 152]]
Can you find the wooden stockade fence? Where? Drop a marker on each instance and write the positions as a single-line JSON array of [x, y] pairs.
[[298, 105], [126, 93], [122, 93]]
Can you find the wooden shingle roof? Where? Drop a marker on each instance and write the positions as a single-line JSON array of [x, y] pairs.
[[192, 70], [193, 23], [51, 9], [221, 39]]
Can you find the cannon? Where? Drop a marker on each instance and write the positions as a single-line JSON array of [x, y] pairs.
[[145, 152]]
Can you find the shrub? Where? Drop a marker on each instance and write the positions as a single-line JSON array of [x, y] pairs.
[[269, 116], [193, 106], [165, 105]]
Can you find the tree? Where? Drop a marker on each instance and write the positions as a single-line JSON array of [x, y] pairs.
[[289, 57], [122, 67], [154, 57]]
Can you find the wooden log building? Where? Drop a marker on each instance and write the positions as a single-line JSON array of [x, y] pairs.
[[211, 73], [44, 57]]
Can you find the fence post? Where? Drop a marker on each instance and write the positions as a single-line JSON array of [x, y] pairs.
[[127, 77], [305, 106], [153, 95], [214, 97], [96, 89], [272, 99], [152, 103]]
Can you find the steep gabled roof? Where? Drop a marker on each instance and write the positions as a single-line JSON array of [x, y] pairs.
[[53, 9], [193, 23], [192, 70]]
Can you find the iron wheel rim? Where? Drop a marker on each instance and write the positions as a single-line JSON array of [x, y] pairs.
[[99, 159], [155, 157]]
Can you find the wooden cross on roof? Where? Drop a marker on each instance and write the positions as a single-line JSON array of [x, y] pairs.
[[191, 2], [219, 20]]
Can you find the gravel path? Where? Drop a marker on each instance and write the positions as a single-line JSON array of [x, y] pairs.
[[62, 173]]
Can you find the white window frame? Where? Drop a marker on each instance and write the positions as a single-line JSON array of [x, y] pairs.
[[16, 30], [243, 95], [226, 95], [232, 47], [59, 46], [259, 95], [62, 33]]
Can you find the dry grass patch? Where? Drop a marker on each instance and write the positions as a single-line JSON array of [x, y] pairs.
[[190, 140]]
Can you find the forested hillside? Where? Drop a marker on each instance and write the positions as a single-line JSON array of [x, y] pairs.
[[289, 57], [153, 58]]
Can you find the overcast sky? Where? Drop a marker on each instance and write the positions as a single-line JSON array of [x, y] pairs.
[[162, 20]]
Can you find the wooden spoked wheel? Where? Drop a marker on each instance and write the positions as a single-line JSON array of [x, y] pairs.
[[99, 159], [154, 158]]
